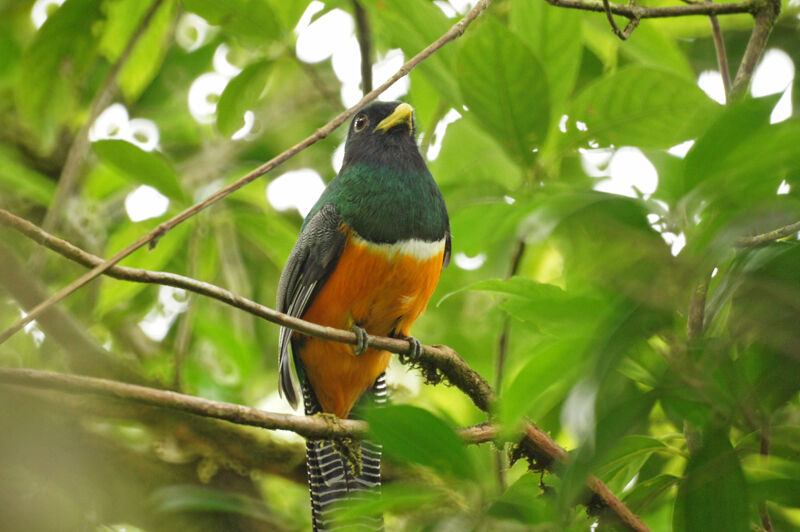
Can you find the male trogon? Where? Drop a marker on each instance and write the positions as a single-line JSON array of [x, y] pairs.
[[368, 258]]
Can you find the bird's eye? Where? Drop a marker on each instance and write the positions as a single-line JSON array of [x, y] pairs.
[[360, 123]]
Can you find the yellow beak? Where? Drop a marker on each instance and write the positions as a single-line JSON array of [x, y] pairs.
[[402, 114]]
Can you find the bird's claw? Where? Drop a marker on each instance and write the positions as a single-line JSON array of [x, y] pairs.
[[361, 340], [415, 347]]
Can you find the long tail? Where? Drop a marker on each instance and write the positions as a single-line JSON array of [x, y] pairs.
[[331, 477]]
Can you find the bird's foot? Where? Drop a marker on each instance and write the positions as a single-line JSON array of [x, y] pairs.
[[361, 340], [416, 347]]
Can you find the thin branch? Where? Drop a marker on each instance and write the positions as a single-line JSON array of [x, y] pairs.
[[435, 362], [152, 237], [77, 151], [767, 238], [765, 18], [622, 34], [639, 12], [314, 427], [502, 351], [364, 35], [763, 511], [695, 322], [722, 56]]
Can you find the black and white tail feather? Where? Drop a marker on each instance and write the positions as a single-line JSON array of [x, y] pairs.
[[331, 477]]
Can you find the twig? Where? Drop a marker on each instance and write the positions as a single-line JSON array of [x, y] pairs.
[[695, 322], [639, 12], [77, 151], [433, 361], [722, 56], [767, 238], [763, 511], [364, 36], [502, 351], [152, 237], [765, 18], [632, 23]]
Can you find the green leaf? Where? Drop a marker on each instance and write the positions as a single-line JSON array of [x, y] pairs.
[[17, 178], [543, 383], [53, 64], [147, 56], [554, 35], [547, 306], [643, 494], [651, 47], [469, 156], [142, 167], [252, 21], [240, 95], [190, 498], [505, 88], [395, 497], [524, 502], [713, 496], [626, 460], [731, 153], [639, 106], [411, 434]]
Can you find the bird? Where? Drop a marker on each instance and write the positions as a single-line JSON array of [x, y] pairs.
[[368, 258]]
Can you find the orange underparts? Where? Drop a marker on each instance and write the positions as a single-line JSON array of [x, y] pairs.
[[376, 291]]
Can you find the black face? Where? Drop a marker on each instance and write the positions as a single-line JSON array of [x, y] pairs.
[[365, 142]]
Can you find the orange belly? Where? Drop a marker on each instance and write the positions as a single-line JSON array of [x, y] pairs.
[[378, 291]]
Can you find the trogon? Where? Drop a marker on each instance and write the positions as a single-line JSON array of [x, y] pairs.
[[368, 258]]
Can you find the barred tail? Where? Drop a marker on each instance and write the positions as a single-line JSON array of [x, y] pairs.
[[331, 477]]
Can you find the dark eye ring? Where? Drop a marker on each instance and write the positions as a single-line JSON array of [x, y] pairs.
[[360, 123]]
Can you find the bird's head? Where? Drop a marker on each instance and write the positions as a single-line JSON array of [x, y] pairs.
[[381, 130]]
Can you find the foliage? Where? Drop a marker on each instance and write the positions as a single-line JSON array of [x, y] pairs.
[[599, 354]]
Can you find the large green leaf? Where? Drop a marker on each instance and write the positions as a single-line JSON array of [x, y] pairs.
[[543, 383], [554, 35], [638, 106], [729, 155], [147, 168], [252, 21], [548, 307], [124, 21], [50, 66], [713, 496], [240, 95], [468, 156], [411, 434], [505, 88]]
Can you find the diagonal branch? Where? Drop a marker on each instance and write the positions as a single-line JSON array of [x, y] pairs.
[[765, 18], [152, 237], [435, 362], [364, 35]]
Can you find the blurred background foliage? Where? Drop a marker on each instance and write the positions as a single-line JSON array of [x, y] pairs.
[[546, 134]]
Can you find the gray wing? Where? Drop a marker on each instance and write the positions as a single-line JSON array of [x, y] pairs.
[[312, 260]]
